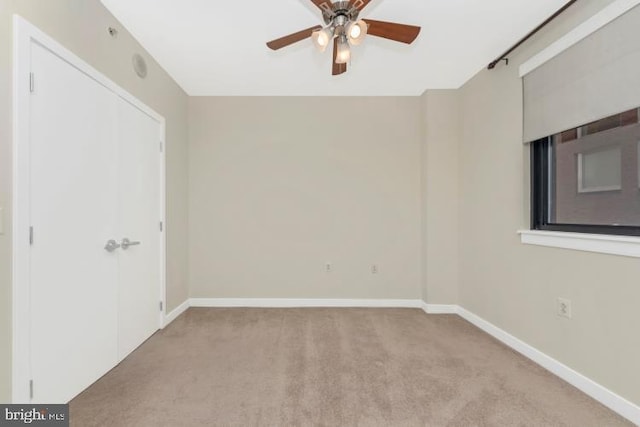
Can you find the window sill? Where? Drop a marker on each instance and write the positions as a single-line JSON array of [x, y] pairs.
[[601, 243]]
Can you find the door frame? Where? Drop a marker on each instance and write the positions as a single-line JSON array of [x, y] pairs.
[[25, 33]]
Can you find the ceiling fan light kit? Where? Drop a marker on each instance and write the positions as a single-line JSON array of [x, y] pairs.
[[322, 38], [344, 52], [345, 30], [357, 31]]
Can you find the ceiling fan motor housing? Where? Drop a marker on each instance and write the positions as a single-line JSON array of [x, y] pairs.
[[340, 8]]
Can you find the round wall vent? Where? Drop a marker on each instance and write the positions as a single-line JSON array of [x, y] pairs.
[[139, 65]]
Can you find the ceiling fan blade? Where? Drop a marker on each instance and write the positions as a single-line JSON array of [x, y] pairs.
[[392, 31], [360, 4], [292, 38], [337, 68], [324, 5]]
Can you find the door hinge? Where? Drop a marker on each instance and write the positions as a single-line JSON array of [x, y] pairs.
[[161, 147], [31, 235], [31, 83], [161, 305], [161, 226], [30, 389]]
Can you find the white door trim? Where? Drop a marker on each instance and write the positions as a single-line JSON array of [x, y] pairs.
[[24, 34]]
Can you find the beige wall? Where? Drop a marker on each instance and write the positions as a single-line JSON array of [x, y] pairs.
[[515, 286], [81, 26], [440, 195], [280, 186]]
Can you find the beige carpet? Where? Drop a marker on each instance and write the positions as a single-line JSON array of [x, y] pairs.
[[330, 367]]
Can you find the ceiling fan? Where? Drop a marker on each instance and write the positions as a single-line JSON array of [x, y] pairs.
[[345, 29]]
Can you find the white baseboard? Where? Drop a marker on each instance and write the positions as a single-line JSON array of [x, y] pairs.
[[603, 395], [168, 318], [295, 302], [439, 308]]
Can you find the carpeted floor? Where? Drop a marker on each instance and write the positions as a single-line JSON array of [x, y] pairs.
[[330, 367]]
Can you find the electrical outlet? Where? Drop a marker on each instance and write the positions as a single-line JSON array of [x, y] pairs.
[[564, 308], [374, 269], [327, 267]]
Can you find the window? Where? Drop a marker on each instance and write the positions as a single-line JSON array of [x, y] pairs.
[[587, 179], [600, 171]]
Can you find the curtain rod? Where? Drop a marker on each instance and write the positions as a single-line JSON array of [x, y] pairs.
[[503, 57]]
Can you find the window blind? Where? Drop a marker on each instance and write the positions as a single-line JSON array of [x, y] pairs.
[[595, 78]]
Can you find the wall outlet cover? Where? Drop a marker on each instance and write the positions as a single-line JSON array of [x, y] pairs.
[[563, 308]]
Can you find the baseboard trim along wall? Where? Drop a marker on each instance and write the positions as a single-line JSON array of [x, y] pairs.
[[603, 395], [439, 308], [173, 315], [295, 302], [598, 392]]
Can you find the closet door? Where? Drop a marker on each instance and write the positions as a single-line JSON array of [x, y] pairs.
[[73, 201], [138, 222]]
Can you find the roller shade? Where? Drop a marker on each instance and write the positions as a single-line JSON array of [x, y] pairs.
[[595, 78]]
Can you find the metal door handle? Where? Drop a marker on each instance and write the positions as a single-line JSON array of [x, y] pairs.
[[111, 246], [126, 243]]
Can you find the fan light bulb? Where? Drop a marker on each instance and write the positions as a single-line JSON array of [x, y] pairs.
[[344, 53], [357, 32], [321, 38]]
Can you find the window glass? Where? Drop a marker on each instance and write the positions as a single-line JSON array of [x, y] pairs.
[[589, 176], [600, 171]]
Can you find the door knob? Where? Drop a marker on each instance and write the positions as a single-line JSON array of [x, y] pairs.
[[111, 246], [126, 243]]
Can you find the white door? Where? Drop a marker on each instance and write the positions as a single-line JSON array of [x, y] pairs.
[[73, 212], [139, 222], [95, 176]]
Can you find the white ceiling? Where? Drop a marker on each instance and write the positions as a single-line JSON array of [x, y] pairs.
[[217, 47]]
